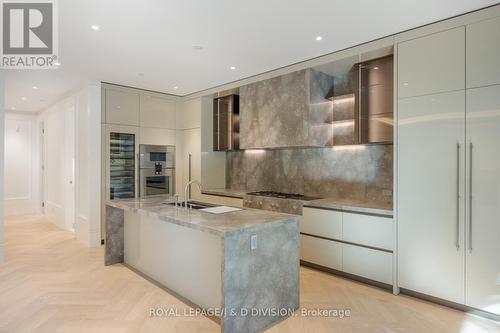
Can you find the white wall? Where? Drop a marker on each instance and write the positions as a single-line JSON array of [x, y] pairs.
[[88, 166], [1, 162], [20, 163], [65, 142]]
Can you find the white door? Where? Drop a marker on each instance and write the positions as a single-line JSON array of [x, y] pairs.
[[431, 135], [69, 167], [483, 228]]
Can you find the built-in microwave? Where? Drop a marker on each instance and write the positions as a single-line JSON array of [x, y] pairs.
[[153, 155]]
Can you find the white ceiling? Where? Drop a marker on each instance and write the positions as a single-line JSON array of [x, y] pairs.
[[156, 38]]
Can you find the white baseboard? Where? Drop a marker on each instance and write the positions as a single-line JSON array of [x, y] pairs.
[[55, 214], [20, 207], [86, 235]]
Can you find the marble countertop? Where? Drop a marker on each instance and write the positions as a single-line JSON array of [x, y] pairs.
[[349, 205], [225, 192], [218, 224], [355, 206]]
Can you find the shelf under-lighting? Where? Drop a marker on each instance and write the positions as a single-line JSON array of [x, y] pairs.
[[341, 99]]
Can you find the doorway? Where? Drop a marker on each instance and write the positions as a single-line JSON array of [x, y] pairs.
[[57, 165]]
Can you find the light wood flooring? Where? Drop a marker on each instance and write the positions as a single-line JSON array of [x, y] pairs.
[[52, 283]]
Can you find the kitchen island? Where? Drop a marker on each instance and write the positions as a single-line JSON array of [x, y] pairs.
[[242, 264]]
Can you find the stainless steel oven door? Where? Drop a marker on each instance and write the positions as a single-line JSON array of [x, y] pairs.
[[153, 182]]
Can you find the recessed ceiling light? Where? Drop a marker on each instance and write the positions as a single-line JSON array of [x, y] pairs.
[[175, 87], [232, 68], [375, 67], [23, 98], [198, 47], [95, 27], [318, 38], [13, 108], [35, 87]]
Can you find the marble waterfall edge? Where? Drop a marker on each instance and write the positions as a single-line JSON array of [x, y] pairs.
[[260, 284]]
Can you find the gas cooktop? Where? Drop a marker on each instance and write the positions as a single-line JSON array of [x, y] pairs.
[[282, 195]]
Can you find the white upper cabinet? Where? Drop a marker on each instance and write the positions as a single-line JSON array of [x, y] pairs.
[[431, 159], [483, 228], [157, 136], [483, 53], [157, 112], [432, 64], [122, 108], [188, 114]]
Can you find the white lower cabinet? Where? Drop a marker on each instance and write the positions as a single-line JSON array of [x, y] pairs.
[[483, 200], [368, 230], [321, 252], [368, 263], [321, 222], [357, 244]]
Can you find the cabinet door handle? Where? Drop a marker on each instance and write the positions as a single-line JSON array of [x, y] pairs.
[[457, 226], [470, 198]]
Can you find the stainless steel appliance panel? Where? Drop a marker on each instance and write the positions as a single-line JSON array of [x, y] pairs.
[[154, 182], [153, 155]]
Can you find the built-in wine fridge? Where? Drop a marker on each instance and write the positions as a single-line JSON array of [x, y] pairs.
[[122, 165]]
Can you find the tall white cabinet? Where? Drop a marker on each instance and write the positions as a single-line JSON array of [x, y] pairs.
[[448, 150], [431, 178], [483, 199]]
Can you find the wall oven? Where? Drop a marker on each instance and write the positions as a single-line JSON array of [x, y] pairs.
[[157, 170]]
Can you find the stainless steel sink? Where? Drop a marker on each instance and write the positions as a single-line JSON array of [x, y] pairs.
[[193, 204]]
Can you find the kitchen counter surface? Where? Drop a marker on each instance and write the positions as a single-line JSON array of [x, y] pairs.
[[218, 224], [354, 206], [225, 192], [216, 261], [348, 205]]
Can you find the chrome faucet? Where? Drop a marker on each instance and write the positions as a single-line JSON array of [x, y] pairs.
[[187, 189]]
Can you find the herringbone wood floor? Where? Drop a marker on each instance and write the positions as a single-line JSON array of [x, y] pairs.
[[52, 283]]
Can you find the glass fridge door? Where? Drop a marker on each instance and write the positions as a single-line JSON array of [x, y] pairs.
[[122, 165]]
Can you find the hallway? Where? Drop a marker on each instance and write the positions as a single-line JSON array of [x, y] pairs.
[[50, 282]]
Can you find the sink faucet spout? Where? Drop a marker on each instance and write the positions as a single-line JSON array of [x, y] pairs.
[[187, 192]]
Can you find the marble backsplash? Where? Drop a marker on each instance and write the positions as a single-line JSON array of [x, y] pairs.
[[350, 172]]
